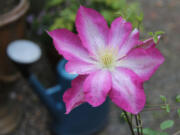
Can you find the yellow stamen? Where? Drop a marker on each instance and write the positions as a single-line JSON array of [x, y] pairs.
[[107, 60], [107, 57]]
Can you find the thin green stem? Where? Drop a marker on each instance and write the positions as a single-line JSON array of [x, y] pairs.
[[140, 122], [137, 125], [155, 105], [129, 123], [158, 109], [159, 105], [131, 118]]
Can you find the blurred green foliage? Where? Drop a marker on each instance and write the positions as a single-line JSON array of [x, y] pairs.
[[52, 3], [178, 111], [149, 131], [163, 98], [163, 126], [62, 13], [178, 98]]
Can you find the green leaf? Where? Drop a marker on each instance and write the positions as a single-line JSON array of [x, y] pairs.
[[162, 133], [159, 33], [116, 4], [150, 33], [155, 35], [148, 131], [155, 38], [166, 107], [178, 98], [178, 111], [163, 98], [166, 124], [140, 17], [163, 106], [108, 15]]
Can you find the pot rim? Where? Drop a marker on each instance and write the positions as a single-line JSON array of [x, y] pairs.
[[15, 13]]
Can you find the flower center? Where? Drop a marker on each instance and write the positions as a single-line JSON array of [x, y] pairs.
[[107, 57], [107, 60]]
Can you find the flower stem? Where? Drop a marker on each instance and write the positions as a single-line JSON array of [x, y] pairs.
[[129, 123], [137, 125], [140, 122], [131, 118]]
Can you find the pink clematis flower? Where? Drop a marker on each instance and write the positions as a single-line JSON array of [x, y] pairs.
[[110, 61]]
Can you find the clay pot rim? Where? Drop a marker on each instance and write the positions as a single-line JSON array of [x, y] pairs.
[[15, 13]]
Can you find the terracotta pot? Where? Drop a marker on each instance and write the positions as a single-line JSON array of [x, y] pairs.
[[12, 27]]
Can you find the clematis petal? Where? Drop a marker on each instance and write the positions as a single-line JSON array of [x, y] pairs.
[[69, 45], [144, 62], [74, 96], [119, 32], [80, 67], [127, 90], [131, 42], [92, 29], [96, 87], [148, 43]]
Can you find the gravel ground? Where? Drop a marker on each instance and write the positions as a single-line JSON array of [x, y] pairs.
[[159, 15]]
